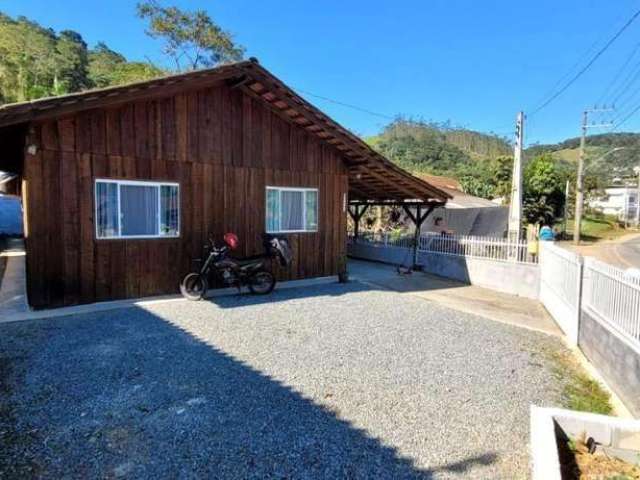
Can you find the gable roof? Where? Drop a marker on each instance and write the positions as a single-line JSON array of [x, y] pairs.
[[372, 177], [459, 198], [441, 181]]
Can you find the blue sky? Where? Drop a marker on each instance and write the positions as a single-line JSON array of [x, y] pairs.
[[473, 63]]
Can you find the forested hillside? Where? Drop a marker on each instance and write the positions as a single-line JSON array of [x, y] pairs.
[[612, 167], [436, 148], [478, 160], [37, 62]]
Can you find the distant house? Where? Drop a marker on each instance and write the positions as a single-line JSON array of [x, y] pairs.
[[619, 201], [122, 186], [465, 214]]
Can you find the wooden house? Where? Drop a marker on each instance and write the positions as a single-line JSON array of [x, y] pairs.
[[122, 186]]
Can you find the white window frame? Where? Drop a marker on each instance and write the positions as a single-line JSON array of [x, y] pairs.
[[304, 208], [142, 183]]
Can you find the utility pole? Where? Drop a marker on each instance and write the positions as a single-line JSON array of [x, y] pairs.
[[566, 208], [515, 205], [580, 176], [580, 179], [636, 170]]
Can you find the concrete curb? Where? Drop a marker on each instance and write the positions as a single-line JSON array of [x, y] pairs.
[[141, 302], [545, 462]]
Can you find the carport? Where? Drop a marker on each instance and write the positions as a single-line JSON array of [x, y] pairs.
[[381, 183]]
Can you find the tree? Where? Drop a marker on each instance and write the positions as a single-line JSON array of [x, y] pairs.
[[103, 62], [544, 184], [27, 59], [129, 72], [36, 62], [502, 171], [72, 63], [107, 67], [192, 39]]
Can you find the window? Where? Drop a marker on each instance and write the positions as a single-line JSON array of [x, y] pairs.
[[292, 209], [128, 209]]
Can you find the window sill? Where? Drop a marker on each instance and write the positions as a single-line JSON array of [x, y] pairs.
[[291, 231], [142, 237]]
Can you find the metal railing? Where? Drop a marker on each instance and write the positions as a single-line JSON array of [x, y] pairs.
[[492, 248], [613, 294]]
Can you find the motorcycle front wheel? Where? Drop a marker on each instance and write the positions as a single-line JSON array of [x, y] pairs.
[[194, 286], [262, 282]]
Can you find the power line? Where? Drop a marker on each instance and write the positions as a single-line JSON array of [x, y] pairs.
[[498, 133], [619, 73], [578, 62], [631, 114], [589, 64], [630, 79], [348, 105]]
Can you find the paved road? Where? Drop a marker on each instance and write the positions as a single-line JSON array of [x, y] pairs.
[[623, 253], [628, 252], [329, 381]]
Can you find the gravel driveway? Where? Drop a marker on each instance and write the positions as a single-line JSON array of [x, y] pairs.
[[328, 381]]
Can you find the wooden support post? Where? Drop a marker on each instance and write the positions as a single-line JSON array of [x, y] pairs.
[[417, 219], [356, 214], [416, 237]]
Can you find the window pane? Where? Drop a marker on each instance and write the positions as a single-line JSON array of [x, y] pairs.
[[107, 209], [291, 210], [169, 204], [139, 210], [273, 207], [312, 210]]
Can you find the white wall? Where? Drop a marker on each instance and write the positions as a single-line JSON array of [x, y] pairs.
[[508, 277]]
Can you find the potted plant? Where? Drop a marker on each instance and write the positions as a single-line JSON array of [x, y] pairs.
[[343, 274]]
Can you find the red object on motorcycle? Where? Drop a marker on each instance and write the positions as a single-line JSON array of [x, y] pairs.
[[231, 239]]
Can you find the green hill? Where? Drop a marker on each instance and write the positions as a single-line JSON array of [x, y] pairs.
[[437, 148], [476, 158], [607, 169]]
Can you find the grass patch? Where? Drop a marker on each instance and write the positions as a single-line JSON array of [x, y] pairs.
[[598, 229], [580, 391]]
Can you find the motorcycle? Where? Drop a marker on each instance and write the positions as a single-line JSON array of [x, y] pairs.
[[252, 272]]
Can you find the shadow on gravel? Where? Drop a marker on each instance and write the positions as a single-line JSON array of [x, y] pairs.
[[127, 394], [299, 293]]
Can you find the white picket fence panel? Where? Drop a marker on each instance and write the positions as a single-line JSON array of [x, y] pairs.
[[560, 285], [491, 248], [614, 295]]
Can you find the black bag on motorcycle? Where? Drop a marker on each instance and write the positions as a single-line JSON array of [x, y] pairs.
[[279, 247]]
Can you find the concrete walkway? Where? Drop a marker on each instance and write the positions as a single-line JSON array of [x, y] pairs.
[[13, 298], [501, 307]]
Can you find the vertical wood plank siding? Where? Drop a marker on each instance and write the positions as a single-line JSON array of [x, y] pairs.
[[222, 146]]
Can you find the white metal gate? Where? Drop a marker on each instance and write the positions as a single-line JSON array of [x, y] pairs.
[[560, 284]]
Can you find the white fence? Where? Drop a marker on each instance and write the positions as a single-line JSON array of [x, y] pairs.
[[560, 284], [614, 296], [491, 248], [384, 239], [567, 282]]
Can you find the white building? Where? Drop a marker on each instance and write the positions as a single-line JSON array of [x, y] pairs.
[[622, 202]]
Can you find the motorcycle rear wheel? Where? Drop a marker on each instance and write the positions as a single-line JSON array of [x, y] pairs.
[[194, 286], [262, 282]]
